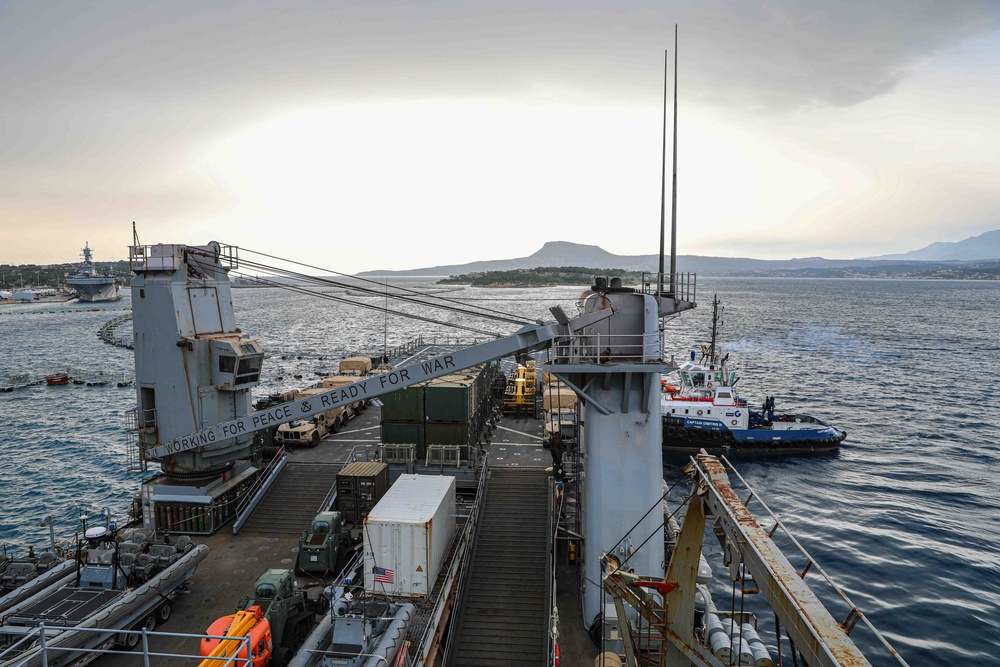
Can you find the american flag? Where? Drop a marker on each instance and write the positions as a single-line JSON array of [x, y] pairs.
[[382, 575]]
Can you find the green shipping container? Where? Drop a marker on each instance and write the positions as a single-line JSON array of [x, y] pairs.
[[449, 434], [451, 399], [404, 405], [403, 433], [360, 485]]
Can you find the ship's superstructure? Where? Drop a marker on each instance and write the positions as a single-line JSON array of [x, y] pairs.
[[193, 367], [614, 365], [89, 284]]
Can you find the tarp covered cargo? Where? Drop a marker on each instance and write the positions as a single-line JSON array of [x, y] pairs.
[[356, 366], [558, 395]]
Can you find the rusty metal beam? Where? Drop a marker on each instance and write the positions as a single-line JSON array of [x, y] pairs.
[[683, 571], [817, 635]]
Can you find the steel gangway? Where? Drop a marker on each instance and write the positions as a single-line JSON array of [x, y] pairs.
[[504, 616], [293, 498]]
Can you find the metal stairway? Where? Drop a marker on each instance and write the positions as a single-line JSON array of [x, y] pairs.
[[504, 617], [293, 499]]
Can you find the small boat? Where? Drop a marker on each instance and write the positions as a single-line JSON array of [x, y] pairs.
[[703, 411], [356, 631], [57, 379]]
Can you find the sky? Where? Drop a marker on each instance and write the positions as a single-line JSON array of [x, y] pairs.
[[372, 135]]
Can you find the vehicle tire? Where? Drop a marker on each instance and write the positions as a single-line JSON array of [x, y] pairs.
[[728, 435], [315, 439], [335, 426], [280, 656], [716, 435], [149, 623], [596, 631], [164, 612], [131, 639]]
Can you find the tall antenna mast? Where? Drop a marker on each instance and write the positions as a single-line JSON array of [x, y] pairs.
[[663, 179], [673, 199], [715, 328]]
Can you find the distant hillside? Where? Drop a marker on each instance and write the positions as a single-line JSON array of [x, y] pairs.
[[549, 275], [984, 246], [565, 253]]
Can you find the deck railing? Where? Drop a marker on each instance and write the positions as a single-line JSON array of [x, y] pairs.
[[258, 489], [108, 646], [168, 256], [608, 349], [682, 286]]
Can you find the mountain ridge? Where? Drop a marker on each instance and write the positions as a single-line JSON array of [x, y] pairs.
[[567, 253], [983, 246]]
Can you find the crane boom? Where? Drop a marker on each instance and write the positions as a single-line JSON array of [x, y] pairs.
[[239, 628], [528, 338]]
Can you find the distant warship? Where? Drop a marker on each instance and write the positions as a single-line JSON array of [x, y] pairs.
[[88, 283]]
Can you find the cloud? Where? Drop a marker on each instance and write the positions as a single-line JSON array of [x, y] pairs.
[[109, 110], [786, 55], [776, 55]]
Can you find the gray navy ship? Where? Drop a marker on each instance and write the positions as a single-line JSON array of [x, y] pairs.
[[89, 283]]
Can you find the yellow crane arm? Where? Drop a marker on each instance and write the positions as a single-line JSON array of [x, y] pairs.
[[243, 622]]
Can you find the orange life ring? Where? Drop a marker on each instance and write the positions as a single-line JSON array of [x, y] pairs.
[[710, 385], [699, 413], [734, 422]]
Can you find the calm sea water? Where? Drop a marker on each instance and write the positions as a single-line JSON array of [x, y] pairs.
[[906, 517]]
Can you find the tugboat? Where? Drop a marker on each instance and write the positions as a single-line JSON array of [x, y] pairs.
[[703, 411]]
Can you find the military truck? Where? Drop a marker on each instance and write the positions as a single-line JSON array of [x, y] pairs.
[[308, 432], [320, 545], [355, 366], [288, 610], [352, 409], [360, 485], [559, 404]]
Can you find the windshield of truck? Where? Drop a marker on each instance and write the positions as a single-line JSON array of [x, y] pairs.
[[264, 592], [321, 527]]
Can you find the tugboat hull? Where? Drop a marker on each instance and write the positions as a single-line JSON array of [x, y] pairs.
[[768, 441]]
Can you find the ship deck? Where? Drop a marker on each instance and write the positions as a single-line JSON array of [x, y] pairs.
[[235, 561]]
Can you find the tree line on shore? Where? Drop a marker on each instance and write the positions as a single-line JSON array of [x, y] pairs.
[[52, 275]]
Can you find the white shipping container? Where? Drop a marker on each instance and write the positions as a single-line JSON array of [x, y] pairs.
[[409, 533]]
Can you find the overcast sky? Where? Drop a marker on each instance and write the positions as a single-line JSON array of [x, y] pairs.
[[395, 135]]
